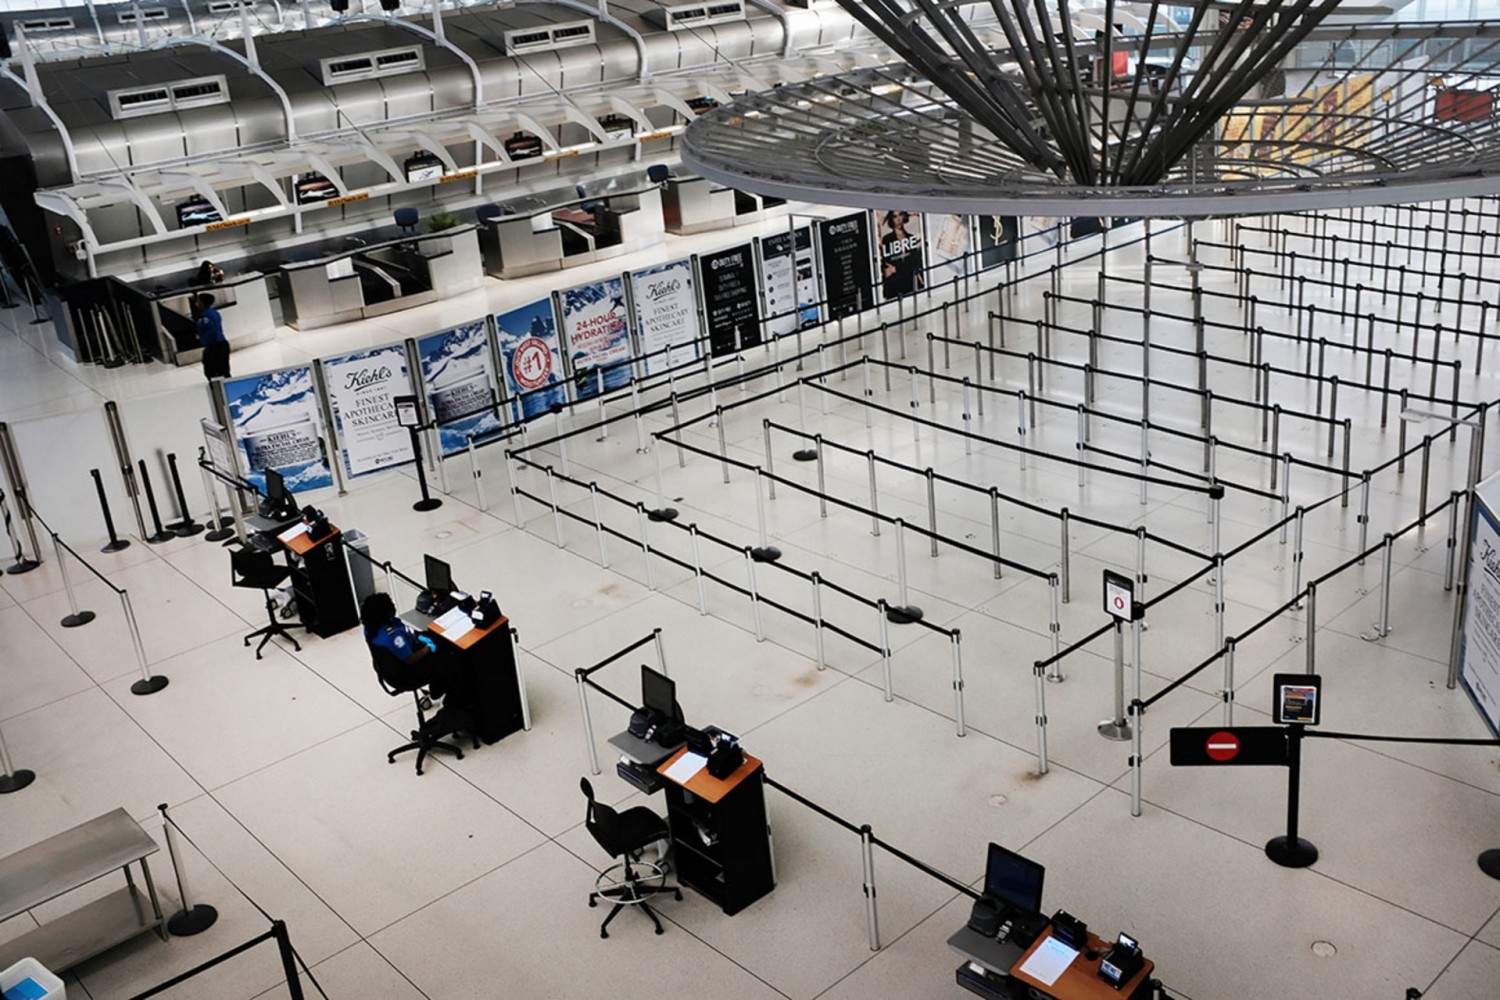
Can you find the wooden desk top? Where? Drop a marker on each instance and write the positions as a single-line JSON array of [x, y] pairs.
[[705, 785], [1080, 981], [472, 636], [303, 543]]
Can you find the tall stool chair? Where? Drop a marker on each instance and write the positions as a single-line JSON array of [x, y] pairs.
[[630, 882], [257, 570]]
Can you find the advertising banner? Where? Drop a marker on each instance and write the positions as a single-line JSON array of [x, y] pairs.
[[1480, 666], [274, 419], [532, 358], [902, 267], [361, 388], [730, 304], [844, 263], [666, 314], [788, 280], [460, 385], [950, 247], [596, 329], [996, 237]]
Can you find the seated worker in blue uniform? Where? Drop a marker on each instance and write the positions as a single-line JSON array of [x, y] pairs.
[[419, 663]]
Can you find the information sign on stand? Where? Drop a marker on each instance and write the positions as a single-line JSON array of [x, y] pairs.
[[1119, 597], [1299, 699]]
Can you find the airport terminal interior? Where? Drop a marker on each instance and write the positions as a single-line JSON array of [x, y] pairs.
[[1000, 540]]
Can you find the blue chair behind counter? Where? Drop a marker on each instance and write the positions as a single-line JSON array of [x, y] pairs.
[[407, 218], [485, 213]]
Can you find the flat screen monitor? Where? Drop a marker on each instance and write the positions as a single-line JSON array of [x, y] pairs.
[[313, 187], [278, 498], [423, 167], [658, 691], [197, 212], [439, 576], [1014, 879]]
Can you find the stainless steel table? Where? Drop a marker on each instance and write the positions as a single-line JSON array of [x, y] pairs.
[[72, 859]]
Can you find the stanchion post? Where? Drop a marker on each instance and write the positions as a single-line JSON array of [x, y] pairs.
[[581, 677], [1291, 851], [12, 779], [760, 632], [867, 856], [1312, 628], [217, 533], [191, 919], [698, 569], [149, 683], [884, 612], [765, 551], [76, 618], [161, 534], [955, 639], [903, 612], [1055, 674], [1229, 681], [1117, 728], [817, 606], [186, 527], [1039, 670]]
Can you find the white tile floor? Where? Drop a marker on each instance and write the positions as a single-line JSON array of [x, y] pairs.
[[471, 880]]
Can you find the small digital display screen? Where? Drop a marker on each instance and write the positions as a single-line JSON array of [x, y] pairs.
[[313, 187], [422, 168], [197, 212]]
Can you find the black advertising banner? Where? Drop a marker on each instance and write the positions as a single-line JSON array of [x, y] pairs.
[[903, 266], [844, 261], [730, 304]]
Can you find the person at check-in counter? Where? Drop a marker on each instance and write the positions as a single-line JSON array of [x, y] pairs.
[[208, 274], [210, 326], [420, 663]]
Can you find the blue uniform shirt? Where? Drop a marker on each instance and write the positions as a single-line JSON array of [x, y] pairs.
[[210, 327], [397, 638]]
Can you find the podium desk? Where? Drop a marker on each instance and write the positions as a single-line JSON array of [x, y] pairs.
[[721, 839], [993, 969], [489, 656], [321, 583]]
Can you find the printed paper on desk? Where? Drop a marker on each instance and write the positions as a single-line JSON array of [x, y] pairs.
[[1049, 961], [685, 767], [455, 624], [300, 528]]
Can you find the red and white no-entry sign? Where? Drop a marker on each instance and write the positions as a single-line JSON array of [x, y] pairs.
[[1222, 746]]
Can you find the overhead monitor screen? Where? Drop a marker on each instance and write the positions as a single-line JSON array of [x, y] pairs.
[[423, 167], [196, 212], [313, 186]]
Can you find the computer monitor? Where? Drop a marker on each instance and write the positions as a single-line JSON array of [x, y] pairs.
[[658, 691], [278, 497], [1014, 879], [439, 576]]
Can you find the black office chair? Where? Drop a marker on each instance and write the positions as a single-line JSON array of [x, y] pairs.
[[658, 173], [407, 218], [486, 212], [623, 835], [257, 570], [428, 736]]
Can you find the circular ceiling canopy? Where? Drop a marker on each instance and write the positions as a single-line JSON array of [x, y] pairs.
[[1018, 115]]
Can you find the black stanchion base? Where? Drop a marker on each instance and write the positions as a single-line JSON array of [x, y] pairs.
[[43, 319], [1489, 862], [1297, 853], [24, 566], [160, 536], [187, 530], [805, 455], [662, 514], [113, 362], [219, 534], [81, 618], [431, 503], [115, 545], [768, 553], [15, 782], [898, 615], [186, 923], [152, 686]]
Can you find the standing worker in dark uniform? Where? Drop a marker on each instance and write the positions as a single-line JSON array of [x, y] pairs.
[[211, 336]]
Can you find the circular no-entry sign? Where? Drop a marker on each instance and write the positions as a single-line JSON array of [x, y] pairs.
[[1222, 746]]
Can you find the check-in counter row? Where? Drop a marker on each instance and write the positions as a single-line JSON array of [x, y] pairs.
[[379, 278], [698, 205], [524, 240]]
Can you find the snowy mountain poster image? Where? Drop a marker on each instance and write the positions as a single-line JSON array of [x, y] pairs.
[[274, 418], [361, 388], [666, 315], [459, 384], [532, 359], [596, 329]]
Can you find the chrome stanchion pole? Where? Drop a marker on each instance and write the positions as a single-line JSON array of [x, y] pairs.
[[557, 525], [1229, 681], [885, 649], [1118, 727], [588, 721], [817, 604], [76, 618], [599, 526], [1039, 671], [191, 919], [476, 474], [148, 684], [641, 519], [698, 569], [1055, 674], [1383, 624], [760, 632], [12, 779], [956, 638], [904, 613], [867, 855]]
